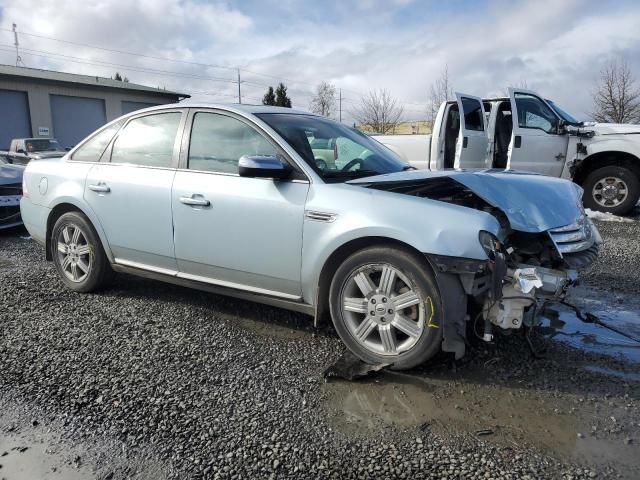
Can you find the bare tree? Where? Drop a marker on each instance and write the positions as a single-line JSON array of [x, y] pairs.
[[440, 91], [617, 97], [378, 111], [324, 100]]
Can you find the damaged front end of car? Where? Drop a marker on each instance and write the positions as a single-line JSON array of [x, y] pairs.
[[544, 239]]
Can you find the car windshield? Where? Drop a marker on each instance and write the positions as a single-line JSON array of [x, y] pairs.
[[42, 145], [335, 151], [563, 114]]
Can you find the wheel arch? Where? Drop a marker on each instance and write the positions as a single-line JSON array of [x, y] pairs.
[[66, 206], [603, 159], [340, 254]]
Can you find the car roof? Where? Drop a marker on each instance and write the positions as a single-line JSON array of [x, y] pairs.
[[232, 107]]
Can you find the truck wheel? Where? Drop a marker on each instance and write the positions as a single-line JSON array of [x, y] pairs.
[[386, 307], [613, 189], [78, 254]]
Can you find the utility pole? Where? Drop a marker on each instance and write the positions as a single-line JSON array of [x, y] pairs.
[[239, 93], [17, 45], [340, 103]]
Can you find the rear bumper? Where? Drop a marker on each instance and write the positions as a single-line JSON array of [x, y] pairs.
[[35, 219]]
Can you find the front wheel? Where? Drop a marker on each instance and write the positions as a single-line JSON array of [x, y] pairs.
[[613, 189], [78, 255], [386, 307]]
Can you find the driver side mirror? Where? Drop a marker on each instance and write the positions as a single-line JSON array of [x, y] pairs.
[[21, 150], [263, 166], [562, 126]]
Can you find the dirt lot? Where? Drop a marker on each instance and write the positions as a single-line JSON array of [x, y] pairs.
[[152, 381]]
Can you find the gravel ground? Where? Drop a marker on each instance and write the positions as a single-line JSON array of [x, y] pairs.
[[204, 386]]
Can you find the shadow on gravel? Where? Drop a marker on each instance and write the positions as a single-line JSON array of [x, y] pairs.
[[254, 317]]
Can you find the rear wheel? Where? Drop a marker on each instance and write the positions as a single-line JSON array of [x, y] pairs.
[[613, 189], [386, 307], [78, 254]]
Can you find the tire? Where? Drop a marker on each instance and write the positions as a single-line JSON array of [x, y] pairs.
[[78, 255], [613, 189], [403, 336]]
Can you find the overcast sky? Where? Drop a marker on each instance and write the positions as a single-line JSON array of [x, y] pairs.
[[557, 47]]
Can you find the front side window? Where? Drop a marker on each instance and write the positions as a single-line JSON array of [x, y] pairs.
[[336, 152], [534, 113], [93, 148], [147, 140], [473, 113], [218, 142]]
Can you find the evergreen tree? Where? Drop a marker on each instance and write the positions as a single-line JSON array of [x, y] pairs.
[[281, 96], [269, 97]]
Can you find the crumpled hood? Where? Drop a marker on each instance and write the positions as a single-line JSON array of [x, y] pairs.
[[532, 203], [11, 174], [614, 128]]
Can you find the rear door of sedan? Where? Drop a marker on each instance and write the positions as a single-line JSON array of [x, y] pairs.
[[130, 190], [229, 230]]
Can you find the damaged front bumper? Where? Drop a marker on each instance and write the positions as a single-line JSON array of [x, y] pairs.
[[525, 287], [521, 274], [523, 290]]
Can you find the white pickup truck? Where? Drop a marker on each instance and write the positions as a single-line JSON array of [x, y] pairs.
[[527, 132]]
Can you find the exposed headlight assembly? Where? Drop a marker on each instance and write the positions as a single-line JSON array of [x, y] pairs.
[[490, 244]]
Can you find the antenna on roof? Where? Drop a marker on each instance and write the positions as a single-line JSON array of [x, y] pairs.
[[17, 45]]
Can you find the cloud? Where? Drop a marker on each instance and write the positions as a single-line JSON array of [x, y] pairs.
[[556, 47]]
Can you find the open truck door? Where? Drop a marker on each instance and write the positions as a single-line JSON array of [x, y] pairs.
[[538, 140], [472, 146]]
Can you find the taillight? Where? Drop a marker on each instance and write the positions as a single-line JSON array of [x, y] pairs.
[[25, 192]]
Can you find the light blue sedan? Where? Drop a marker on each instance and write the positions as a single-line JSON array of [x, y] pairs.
[[234, 200]]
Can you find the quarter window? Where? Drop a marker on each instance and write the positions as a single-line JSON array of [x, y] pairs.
[[218, 142], [147, 140], [534, 113], [92, 150]]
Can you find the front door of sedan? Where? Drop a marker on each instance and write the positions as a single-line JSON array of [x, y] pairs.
[[235, 231], [131, 193]]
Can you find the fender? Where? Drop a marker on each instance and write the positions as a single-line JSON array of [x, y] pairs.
[[91, 215]]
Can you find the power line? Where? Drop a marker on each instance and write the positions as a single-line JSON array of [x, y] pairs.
[[166, 59], [200, 64]]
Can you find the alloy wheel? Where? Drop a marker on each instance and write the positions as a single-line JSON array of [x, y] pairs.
[[74, 253], [382, 308]]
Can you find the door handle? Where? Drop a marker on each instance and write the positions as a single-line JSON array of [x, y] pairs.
[[517, 141], [465, 142], [100, 187], [195, 202]]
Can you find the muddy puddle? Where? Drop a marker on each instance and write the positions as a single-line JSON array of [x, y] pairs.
[[502, 415], [27, 454], [566, 327]]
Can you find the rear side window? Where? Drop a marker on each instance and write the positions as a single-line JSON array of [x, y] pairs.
[[218, 142], [473, 113], [147, 140], [92, 150]]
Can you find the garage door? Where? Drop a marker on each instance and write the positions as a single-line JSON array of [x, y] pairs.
[[133, 106], [15, 121], [75, 117]]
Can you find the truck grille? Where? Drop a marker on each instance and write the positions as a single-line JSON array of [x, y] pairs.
[[573, 238]]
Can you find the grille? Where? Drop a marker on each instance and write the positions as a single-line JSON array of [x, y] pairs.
[[573, 238]]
